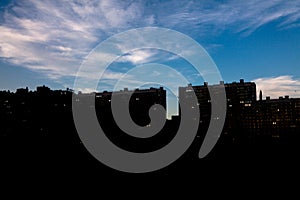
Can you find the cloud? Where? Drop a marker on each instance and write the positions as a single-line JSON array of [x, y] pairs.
[[278, 86], [213, 17], [138, 56], [142, 56], [54, 36]]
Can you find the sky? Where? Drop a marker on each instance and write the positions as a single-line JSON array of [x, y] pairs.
[[44, 42]]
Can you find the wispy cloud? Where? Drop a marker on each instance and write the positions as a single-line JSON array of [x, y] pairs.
[[278, 86], [239, 16], [54, 36], [142, 56], [138, 56]]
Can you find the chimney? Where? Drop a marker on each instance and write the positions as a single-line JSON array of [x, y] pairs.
[[221, 82], [241, 80], [268, 98]]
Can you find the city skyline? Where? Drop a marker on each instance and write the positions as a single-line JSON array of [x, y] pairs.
[[46, 42], [43, 126], [246, 115], [172, 103]]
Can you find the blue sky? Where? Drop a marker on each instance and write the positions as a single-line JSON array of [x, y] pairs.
[[46, 41]]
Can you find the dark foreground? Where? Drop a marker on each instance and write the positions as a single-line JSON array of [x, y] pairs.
[[45, 157]]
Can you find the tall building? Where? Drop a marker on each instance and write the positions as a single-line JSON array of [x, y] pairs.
[[241, 99], [246, 117], [240, 96], [140, 102], [277, 118]]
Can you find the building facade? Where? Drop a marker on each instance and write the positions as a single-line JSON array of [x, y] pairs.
[[140, 102], [247, 118]]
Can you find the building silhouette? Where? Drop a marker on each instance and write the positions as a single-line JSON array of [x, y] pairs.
[[249, 119], [140, 102], [40, 123], [277, 118]]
